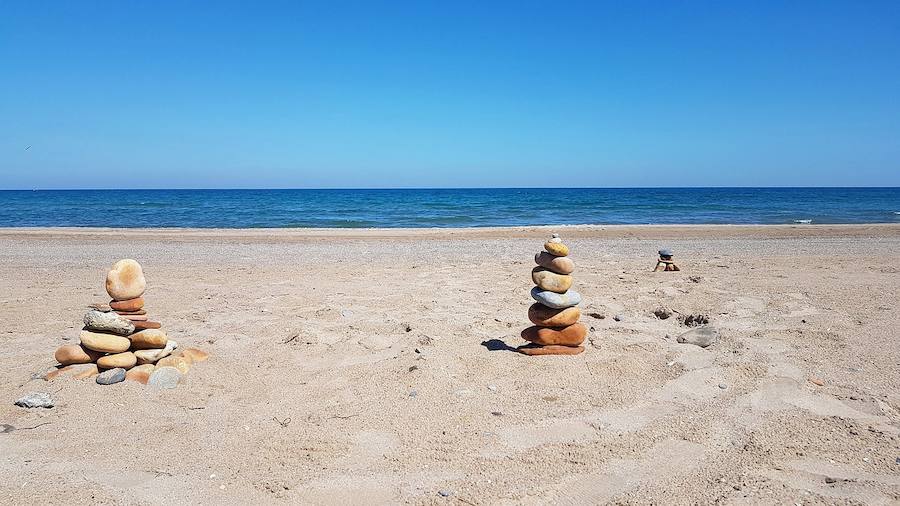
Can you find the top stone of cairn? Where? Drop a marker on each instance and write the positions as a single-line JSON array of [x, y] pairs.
[[125, 280], [556, 247]]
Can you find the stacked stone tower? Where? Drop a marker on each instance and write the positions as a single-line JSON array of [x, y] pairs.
[[556, 330]]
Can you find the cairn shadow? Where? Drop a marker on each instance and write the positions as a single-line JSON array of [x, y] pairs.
[[497, 345]]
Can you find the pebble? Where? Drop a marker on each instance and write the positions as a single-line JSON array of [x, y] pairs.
[[182, 364], [152, 356], [492, 388], [413, 393], [165, 377], [111, 376], [557, 249], [618, 317], [573, 335], [117, 361], [35, 400], [194, 355], [549, 280], [140, 373], [148, 339], [544, 316], [141, 325], [127, 305], [107, 343], [444, 493], [723, 386], [817, 381], [107, 322], [559, 265], [532, 349], [76, 354], [700, 336], [556, 300], [125, 281]]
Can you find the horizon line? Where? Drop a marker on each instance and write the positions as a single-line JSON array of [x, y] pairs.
[[427, 188]]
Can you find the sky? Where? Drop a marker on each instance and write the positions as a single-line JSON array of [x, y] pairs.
[[127, 94]]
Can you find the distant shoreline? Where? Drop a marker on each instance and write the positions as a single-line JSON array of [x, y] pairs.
[[684, 231]]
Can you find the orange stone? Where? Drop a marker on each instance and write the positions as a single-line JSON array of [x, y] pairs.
[[573, 335], [544, 316], [140, 373], [76, 354], [127, 305], [559, 265], [181, 363], [143, 325], [533, 349]]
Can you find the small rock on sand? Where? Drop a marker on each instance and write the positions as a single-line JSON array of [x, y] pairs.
[[700, 336], [165, 377], [35, 400], [111, 376]]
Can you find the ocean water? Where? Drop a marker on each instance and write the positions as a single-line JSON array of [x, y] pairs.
[[445, 207]]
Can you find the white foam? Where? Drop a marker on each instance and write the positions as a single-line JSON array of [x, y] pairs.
[[803, 222]]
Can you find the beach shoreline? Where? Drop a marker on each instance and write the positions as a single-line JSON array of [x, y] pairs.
[[372, 366]]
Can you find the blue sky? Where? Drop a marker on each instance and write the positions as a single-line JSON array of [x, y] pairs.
[[448, 94]]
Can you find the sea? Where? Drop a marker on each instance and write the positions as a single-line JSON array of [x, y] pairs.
[[445, 208]]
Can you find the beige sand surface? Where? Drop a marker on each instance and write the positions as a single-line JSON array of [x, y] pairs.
[[348, 367]]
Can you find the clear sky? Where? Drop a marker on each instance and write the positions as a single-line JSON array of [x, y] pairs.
[[448, 94]]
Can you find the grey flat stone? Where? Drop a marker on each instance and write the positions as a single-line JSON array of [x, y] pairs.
[[556, 300], [112, 323], [700, 336], [165, 377], [35, 400], [111, 376], [665, 252]]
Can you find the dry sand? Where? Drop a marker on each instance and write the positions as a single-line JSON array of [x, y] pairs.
[[350, 367]]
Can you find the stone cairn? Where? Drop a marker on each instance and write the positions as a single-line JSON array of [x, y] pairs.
[[665, 262], [119, 341], [556, 330]]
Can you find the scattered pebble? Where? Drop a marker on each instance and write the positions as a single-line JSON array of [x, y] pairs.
[[694, 320], [496, 413], [694, 279], [817, 381], [662, 313], [618, 318], [723, 386], [413, 393], [492, 388], [35, 400], [670, 364], [701, 336], [444, 493], [829, 479], [597, 316]]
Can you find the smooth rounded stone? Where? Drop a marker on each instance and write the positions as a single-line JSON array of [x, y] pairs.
[[119, 360], [700, 336], [573, 335], [77, 371], [107, 322], [111, 376], [138, 312], [556, 249], [665, 252], [164, 377], [544, 316], [555, 238], [107, 343], [140, 373], [152, 356], [534, 349], [549, 280], [148, 339], [35, 400], [134, 304], [194, 355], [134, 317], [559, 265], [181, 363], [76, 354], [142, 325], [125, 281], [556, 300]]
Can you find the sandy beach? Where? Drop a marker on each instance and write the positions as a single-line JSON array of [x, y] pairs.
[[373, 367]]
